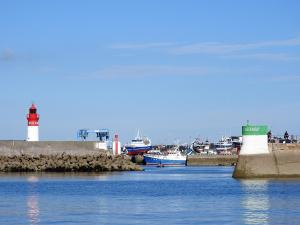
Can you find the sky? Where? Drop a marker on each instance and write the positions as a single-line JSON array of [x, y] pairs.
[[176, 70]]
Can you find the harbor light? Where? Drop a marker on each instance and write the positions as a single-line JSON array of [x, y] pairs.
[[255, 140], [33, 124], [116, 145]]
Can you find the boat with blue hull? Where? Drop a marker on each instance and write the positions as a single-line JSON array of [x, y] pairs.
[[169, 158], [133, 150], [138, 145]]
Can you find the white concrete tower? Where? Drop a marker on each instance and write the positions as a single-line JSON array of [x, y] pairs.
[[255, 140], [33, 124]]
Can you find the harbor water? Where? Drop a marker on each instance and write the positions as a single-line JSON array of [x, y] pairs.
[[184, 195]]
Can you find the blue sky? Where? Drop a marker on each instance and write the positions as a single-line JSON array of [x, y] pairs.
[[175, 69]]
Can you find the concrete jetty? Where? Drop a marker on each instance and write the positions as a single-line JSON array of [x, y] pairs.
[[212, 160], [282, 161], [260, 159], [60, 156]]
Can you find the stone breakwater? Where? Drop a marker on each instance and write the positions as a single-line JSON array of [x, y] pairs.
[[66, 163], [60, 156]]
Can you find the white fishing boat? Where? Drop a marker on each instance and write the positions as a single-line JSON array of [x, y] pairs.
[[224, 146], [202, 147], [171, 157]]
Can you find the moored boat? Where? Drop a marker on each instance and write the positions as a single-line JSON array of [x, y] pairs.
[[203, 147], [168, 158], [224, 146], [138, 145]]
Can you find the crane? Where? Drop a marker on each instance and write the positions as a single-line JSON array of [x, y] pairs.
[[102, 134]]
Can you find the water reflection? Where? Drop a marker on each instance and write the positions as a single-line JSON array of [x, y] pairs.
[[255, 203], [33, 210]]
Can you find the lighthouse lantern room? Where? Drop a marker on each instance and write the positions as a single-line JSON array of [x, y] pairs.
[[33, 124]]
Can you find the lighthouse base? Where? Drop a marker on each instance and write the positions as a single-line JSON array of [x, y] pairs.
[[32, 133]]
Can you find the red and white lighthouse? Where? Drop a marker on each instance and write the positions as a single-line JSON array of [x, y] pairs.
[[33, 124], [116, 145]]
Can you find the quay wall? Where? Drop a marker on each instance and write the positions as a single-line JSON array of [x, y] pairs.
[[212, 160], [15, 148], [283, 160]]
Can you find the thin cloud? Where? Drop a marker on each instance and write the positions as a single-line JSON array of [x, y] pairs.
[[142, 45], [139, 72], [264, 56], [286, 78], [7, 55], [46, 70], [148, 71], [221, 48]]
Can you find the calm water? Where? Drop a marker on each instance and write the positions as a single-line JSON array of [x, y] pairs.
[[187, 195]]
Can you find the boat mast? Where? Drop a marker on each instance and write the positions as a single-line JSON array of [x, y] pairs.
[[138, 135]]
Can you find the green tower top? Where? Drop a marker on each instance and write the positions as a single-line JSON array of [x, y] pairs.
[[254, 130]]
